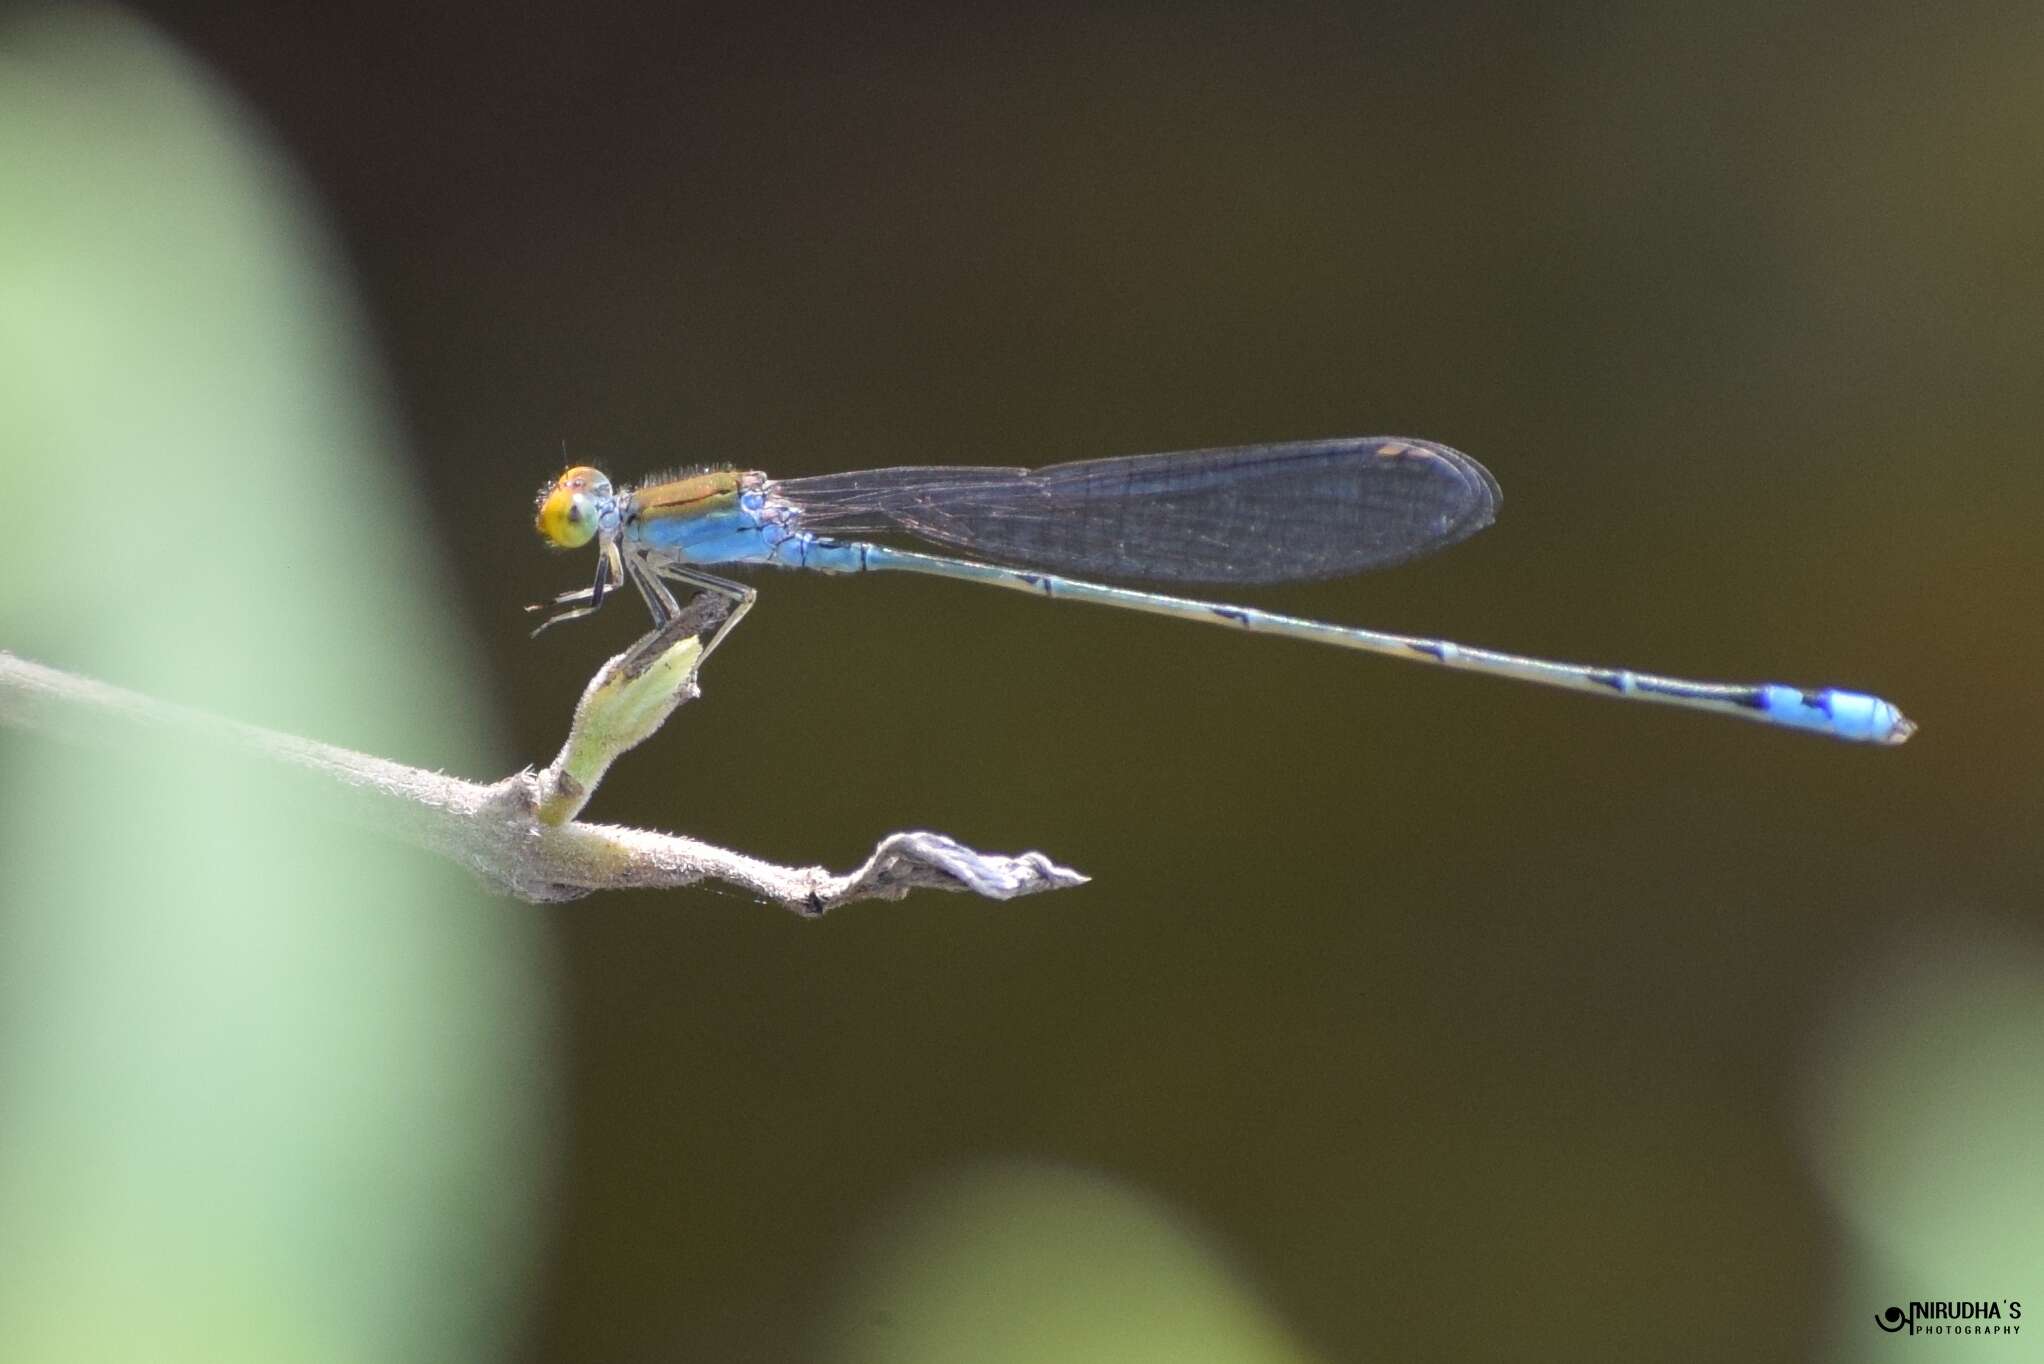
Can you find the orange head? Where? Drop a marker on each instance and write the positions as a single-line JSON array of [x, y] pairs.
[[574, 507]]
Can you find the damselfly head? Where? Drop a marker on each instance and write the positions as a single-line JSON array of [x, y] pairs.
[[573, 508]]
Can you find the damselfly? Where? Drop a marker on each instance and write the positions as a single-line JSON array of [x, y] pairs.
[[1247, 514]]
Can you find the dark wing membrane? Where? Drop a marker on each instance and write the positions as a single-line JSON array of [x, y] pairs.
[[1244, 514]]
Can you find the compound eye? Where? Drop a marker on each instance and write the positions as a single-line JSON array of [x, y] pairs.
[[571, 507]]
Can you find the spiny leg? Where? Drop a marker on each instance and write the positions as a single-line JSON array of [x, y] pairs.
[[564, 598], [659, 601], [739, 595], [712, 605], [593, 595], [606, 566], [553, 620]]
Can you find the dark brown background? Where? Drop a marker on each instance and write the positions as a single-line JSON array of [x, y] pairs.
[[1468, 1017]]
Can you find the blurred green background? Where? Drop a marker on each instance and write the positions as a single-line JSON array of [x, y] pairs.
[[1408, 1015]]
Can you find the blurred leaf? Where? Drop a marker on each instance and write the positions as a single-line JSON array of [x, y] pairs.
[[1029, 1263], [268, 1089]]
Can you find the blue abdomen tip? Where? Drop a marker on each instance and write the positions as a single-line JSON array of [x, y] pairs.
[[1849, 715]]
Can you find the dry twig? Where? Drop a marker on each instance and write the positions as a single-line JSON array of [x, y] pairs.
[[520, 834]]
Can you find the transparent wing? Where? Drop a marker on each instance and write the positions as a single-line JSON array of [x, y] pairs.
[[1243, 514]]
